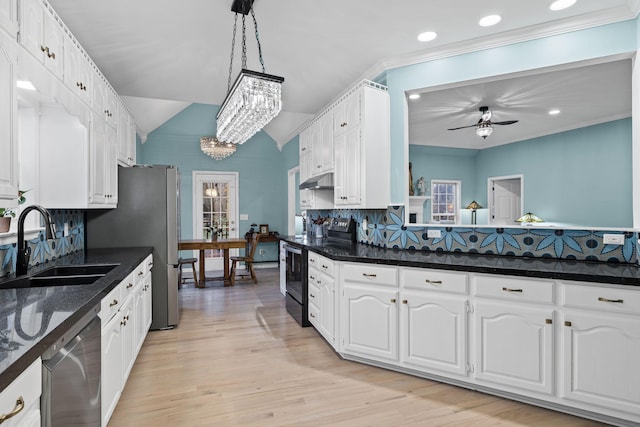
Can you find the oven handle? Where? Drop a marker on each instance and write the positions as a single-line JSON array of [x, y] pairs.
[[293, 249]]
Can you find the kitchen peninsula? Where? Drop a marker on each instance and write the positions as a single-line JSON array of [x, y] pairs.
[[529, 329]]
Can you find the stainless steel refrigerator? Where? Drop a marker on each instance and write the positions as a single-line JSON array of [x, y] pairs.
[[147, 215]]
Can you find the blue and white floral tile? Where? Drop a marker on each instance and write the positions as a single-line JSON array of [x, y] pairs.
[[385, 228], [43, 250]]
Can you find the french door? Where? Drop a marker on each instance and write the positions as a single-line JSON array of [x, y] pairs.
[[215, 210]]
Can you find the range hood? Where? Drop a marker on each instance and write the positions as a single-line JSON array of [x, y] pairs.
[[318, 182]]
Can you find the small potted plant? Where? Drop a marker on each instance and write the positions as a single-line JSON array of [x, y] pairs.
[[7, 213]]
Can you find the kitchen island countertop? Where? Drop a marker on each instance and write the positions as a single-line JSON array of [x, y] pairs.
[[32, 319], [549, 268]]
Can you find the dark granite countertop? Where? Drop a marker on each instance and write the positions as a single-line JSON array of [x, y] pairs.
[[33, 319], [587, 271]]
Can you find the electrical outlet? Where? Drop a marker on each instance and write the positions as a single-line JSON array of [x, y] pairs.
[[261, 252], [434, 234], [66, 229], [364, 224], [613, 239], [244, 217]]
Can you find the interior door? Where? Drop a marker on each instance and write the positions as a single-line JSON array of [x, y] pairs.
[[505, 197], [215, 211]]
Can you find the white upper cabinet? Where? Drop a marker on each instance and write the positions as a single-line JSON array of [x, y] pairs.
[[126, 138], [8, 117], [9, 16], [42, 35], [362, 148], [77, 70]]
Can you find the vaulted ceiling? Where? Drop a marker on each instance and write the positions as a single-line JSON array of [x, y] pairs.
[[162, 55]]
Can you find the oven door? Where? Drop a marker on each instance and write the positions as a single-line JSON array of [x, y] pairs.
[[296, 284]]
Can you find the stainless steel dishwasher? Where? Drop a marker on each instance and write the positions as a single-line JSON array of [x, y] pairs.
[[71, 376]]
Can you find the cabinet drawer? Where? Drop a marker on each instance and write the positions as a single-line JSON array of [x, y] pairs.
[[28, 385], [111, 303], [321, 263], [314, 315], [513, 288], [601, 298], [372, 274], [314, 294], [438, 280], [129, 283], [313, 275]]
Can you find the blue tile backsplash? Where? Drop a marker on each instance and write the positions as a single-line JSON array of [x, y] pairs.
[[385, 228], [43, 250]]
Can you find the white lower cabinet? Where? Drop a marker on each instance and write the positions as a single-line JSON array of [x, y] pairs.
[[434, 331], [370, 322], [369, 311], [126, 317], [20, 400], [514, 346], [321, 296], [600, 348], [568, 345]]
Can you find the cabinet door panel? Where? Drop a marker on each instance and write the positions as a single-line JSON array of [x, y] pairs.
[[8, 109], [32, 27], [514, 346], [601, 360], [327, 311], [370, 320], [435, 331], [111, 370], [53, 40]]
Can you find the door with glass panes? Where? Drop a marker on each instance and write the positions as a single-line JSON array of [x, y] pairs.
[[215, 211]]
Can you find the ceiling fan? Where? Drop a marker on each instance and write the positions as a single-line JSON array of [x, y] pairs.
[[484, 127]]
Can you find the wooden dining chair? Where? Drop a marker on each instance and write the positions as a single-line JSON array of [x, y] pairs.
[[248, 261]]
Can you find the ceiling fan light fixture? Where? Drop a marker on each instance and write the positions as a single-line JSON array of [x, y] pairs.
[[561, 4], [255, 97], [490, 20], [484, 130]]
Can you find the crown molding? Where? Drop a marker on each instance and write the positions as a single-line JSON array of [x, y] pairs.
[[520, 35]]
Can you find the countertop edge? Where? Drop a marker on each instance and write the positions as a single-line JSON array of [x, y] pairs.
[[104, 286]]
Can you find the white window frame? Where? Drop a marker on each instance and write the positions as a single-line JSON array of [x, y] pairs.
[[456, 207]]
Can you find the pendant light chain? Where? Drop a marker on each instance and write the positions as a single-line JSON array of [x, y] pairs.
[[244, 42], [233, 48], [255, 24]]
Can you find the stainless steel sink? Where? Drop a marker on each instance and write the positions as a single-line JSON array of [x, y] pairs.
[[61, 275], [38, 282], [76, 270]]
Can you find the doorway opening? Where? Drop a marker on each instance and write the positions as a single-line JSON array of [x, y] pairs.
[[505, 199], [215, 211]]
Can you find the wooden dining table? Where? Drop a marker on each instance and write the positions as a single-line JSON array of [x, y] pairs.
[[202, 245]]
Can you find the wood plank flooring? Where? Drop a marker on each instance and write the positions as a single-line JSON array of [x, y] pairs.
[[238, 359]]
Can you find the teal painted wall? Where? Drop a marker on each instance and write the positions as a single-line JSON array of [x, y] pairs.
[[565, 178], [612, 39], [291, 159], [258, 162]]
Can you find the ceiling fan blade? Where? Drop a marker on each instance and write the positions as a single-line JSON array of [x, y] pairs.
[[507, 122], [463, 127]]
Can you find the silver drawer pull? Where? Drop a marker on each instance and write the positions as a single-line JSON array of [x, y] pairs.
[[618, 301], [434, 282], [325, 266], [312, 278], [369, 275], [18, 408], [511, 290]]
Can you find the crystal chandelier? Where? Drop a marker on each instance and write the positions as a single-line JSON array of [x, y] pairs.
[[216, 149], [255, 97]]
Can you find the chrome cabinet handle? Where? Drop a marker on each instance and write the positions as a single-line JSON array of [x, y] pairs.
[[18, 408], [511, 290]]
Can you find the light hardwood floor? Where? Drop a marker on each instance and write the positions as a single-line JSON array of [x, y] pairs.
[[238, 359]]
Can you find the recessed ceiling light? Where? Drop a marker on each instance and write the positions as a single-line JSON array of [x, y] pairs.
[[414, 96], [562, 4], [427, 36], [25, 84], [554, 112], [490, 20]]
